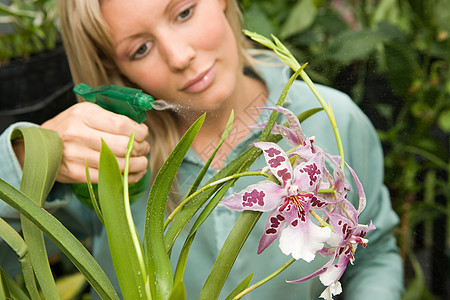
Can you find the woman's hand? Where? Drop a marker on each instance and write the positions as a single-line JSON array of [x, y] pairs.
[[81, 128]]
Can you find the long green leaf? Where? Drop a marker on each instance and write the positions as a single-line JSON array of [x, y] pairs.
[[126, 249], [3, 286], [11, 289], [158, 262], [205, 167], [241, 286], [228, 254], [94, 200], [178, 292], [182, 260], [62, 237], [43, 152], [299, 19], [16, 242]]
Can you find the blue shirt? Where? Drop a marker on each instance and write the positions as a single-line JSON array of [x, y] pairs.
[[378, 271]]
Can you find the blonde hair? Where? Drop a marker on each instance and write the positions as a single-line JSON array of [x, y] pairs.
[[89, 49]]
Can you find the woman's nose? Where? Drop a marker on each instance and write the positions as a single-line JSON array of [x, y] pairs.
[[177, 52]]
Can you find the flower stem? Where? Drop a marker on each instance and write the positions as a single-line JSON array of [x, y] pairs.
[[259, 283], [208, 186], [326, 191], [329, 112], [321, 220]]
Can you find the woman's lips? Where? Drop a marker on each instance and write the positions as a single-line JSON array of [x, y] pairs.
[[201, 82]]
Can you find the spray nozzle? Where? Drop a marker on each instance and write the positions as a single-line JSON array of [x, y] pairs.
[[127, 101]]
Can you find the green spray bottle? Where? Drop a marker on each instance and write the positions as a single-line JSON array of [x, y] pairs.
[[130, 102]]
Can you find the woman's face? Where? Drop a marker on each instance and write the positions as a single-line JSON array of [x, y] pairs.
[[182, 51]]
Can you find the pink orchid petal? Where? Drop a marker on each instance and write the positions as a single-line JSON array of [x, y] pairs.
[[294, 123], [306, 151], [274, 225], [262, 196], [362, 230], [259, 126], [361, 194], [288, 134], [342, 226], [304, 241], [317, 203], [278, 162], [308, 175]]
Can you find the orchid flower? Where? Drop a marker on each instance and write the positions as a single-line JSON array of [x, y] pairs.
[[301, 175], [290, 203], [347, 235]]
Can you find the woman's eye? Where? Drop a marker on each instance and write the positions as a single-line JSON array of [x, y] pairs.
[[143, 49], [185, 14]]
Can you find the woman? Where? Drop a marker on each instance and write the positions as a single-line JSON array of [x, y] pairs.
[[192, 53]]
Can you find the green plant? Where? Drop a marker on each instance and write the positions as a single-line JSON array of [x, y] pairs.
[[34, 28]]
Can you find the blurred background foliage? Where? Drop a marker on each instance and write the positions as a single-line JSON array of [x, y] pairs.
[[26, 28], [392, 57]]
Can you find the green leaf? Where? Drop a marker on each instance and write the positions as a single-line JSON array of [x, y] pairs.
[[94, 201], [9, 289], [257, 20], [241, 286], [353, 45], [42, 159], [16, 242], [124, 244], [301, 17], [158, 263], [63, 238], [444, 121], [229, 252], [204, 169], [416, 287], [441, 12], [43, 152], [402, 67], [3, 286], [182, 259], [178, 292], [306, 114]]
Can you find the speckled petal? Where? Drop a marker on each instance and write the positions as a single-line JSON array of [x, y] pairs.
[[263, 196], [308, 175], [278, 162], [274, 225]]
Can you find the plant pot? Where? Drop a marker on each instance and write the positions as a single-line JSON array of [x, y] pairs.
[[35, 90]]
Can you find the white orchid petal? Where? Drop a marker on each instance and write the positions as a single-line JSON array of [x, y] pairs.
[[331, 275], [304, 241], [332, 290]]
